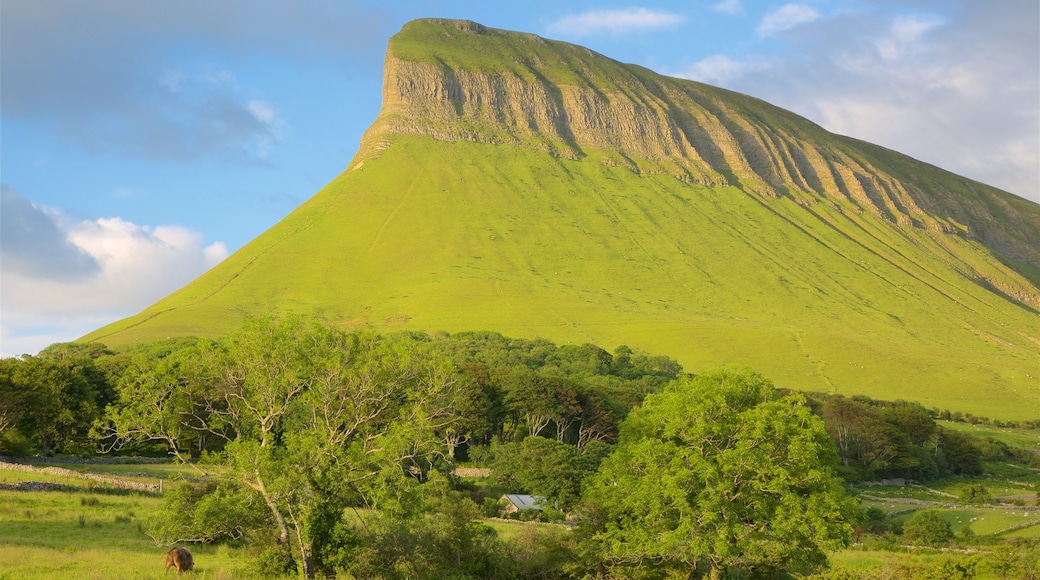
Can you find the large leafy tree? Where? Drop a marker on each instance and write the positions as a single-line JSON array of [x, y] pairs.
[[544, 467], [52, 403], [718, 473], [315, 419]]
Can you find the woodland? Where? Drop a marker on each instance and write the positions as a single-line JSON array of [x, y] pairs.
[[314, 451]]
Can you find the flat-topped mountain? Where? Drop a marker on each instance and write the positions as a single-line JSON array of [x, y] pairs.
[[536, 188]]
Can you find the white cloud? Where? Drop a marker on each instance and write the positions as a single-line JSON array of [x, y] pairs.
[[956, 88], [263, 112], [720, 69], [905, 36], [137, 265], [785, 18], [613, 22], [728, 7]]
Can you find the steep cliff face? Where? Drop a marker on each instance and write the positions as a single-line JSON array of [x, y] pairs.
[[458, 80]]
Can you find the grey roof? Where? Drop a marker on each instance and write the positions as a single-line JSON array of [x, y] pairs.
[[526, 502]]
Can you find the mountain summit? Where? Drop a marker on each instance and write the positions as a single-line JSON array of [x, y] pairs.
[[536, 188]]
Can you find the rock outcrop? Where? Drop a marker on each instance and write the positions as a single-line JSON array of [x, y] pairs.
[[523, 90]]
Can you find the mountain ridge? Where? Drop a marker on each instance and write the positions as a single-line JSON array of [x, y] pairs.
[[706, 142], [536, 188]]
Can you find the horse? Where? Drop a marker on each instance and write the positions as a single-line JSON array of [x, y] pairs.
[[179, 558]]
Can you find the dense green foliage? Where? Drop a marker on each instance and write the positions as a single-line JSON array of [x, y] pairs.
[[324, 451], [877, 439], [545, 467], [310, 419], [300, 424], [49, 402], [927, 528], [719, 473]]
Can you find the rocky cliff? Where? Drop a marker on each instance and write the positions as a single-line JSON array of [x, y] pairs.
[[495, 86]]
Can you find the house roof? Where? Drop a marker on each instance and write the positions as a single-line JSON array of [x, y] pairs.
[[526, 502]]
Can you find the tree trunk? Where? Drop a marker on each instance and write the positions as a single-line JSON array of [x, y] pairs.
[[283, 530], [305, 550], [535, 424]]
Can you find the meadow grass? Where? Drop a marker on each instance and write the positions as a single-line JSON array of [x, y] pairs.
[[577, 251], [1032, 532], [84, 535], [151, 470], [1014, 437], [509, 530], [14, 476]]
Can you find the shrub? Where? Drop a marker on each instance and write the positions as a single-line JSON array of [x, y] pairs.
[[206, 511], [975, 493], [927, 528]]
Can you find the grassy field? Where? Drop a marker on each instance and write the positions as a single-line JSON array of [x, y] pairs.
[[74, 535], [1014, 437]]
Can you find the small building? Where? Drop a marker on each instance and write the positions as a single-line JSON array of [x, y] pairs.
[[517, 502]]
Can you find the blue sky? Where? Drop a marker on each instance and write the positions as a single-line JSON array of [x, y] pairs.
[[143, 141]]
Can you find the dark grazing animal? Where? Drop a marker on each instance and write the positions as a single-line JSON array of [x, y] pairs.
[[179, 558]]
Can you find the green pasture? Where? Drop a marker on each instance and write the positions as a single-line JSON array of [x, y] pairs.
[[438, 236], [14, 476], [142, 471], [168, 474], [74, 535], [1013, 437]]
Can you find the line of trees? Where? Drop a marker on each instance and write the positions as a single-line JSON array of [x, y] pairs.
[[49, 402], [878, 439], [331, 451]]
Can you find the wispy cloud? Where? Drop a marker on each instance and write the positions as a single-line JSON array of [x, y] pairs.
[[94, 271], [931, 85], [728, 7], [614, 22], [720, 69], [99, 76], [905, 35], [785, 18]]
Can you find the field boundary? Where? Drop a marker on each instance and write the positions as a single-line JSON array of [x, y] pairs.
[[107, 479]]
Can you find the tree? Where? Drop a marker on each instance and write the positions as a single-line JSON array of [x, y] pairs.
[[316, 419], [975, 493], [162, 398], [545, 467], [717, 473], [50, 402], [957, 452], [599, 416], [913, 420], [867, 442], [531, 396], [480, 410], [927, 528]]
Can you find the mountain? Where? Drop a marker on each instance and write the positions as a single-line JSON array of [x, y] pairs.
[[536, 188]]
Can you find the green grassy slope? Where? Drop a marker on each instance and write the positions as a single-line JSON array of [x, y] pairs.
[[919, 289]]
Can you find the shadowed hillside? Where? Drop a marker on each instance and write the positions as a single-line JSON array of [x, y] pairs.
[[536, 188]]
